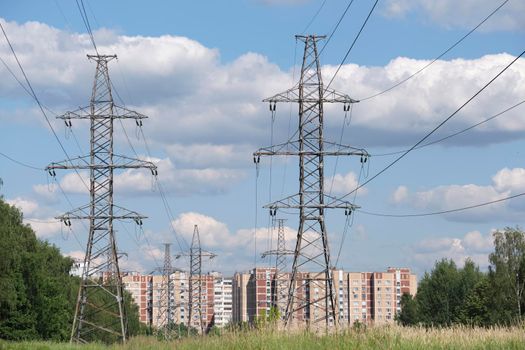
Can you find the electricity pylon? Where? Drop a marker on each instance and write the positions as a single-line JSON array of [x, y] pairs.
[[195, 291], [165, 307], [281, 277], [99, 312], [311, 293]]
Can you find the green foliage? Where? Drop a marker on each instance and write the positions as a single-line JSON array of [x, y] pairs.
[[267, 320], [35, 283], [442, 294], [507, 275], [37, 294], [476, 310], [409, 314]]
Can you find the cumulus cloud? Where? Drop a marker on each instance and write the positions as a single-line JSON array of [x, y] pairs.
[[207, 114], [27, 206], [343, 183], [216, 234], [473, 245], [505, 183], [45, 228], [461, 14], [132, 181]]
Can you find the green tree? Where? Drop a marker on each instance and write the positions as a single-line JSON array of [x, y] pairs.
[[507, 274], [37, 293], [476, 310], [409, 314], [442, 293]]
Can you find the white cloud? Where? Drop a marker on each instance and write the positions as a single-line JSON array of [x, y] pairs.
[[208, 114], [473, 245], [45, 228], [179, 181], [343, 183], [400, 194], [462, 14], [505, 183], [27, 206]]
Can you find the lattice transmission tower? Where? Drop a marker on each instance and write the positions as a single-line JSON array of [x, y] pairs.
[[195, 299], [310, 293], [281, 280], [164, 303], [99, 312]]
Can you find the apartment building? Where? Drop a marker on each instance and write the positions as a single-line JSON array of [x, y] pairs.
[[367, 297], [240, 297], [139, 286], [222, 300], [148, 292]]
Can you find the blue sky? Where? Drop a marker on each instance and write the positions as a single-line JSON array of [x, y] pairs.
[[200, 70]]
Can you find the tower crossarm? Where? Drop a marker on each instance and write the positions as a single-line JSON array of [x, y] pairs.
[[119, 213], [277, 252], [118, 113], [292, 149], [292, 95], [293, 202], [204, 254], [119, 162]]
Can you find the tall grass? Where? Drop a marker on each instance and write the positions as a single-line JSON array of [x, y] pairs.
[[380, 337]]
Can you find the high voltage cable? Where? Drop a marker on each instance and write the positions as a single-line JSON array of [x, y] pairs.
[[442, 211], [314, 16], [353, 43], [454, 134], [438, 57], [85, 19], [437, 127], [35, 97], [20, 163], [336, 26]]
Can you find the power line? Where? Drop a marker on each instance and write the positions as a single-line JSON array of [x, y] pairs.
[[314, 17], [454, 134], [85, 19], [442, 211], [336, 26], [353, 43], [35, 97], [438, 57], [20, 163], [437, 127]]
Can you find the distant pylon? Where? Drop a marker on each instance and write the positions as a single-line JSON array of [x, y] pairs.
[[281, 280], [99, 312], [195, 300], [165, 307], [311, 294]]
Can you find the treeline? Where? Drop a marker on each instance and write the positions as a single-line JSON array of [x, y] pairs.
[[451, 295], [37, 293]]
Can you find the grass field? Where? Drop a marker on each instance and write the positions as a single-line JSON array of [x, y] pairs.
[[391, 337]]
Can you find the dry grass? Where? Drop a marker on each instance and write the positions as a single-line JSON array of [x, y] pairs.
[[384, 337]]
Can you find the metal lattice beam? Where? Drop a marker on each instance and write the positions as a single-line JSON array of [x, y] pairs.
[[311, 298], [99, 313], [195, 299]]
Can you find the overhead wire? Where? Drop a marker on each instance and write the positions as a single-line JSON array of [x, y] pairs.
[[352, 45], [453, 134], [402, 81], [441, 212], [438, 126], [314, 17]]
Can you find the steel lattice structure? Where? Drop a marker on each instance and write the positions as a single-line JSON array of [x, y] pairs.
[[281, 280], [310, 294], [195, 280], [99, 313], [164, 316]]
